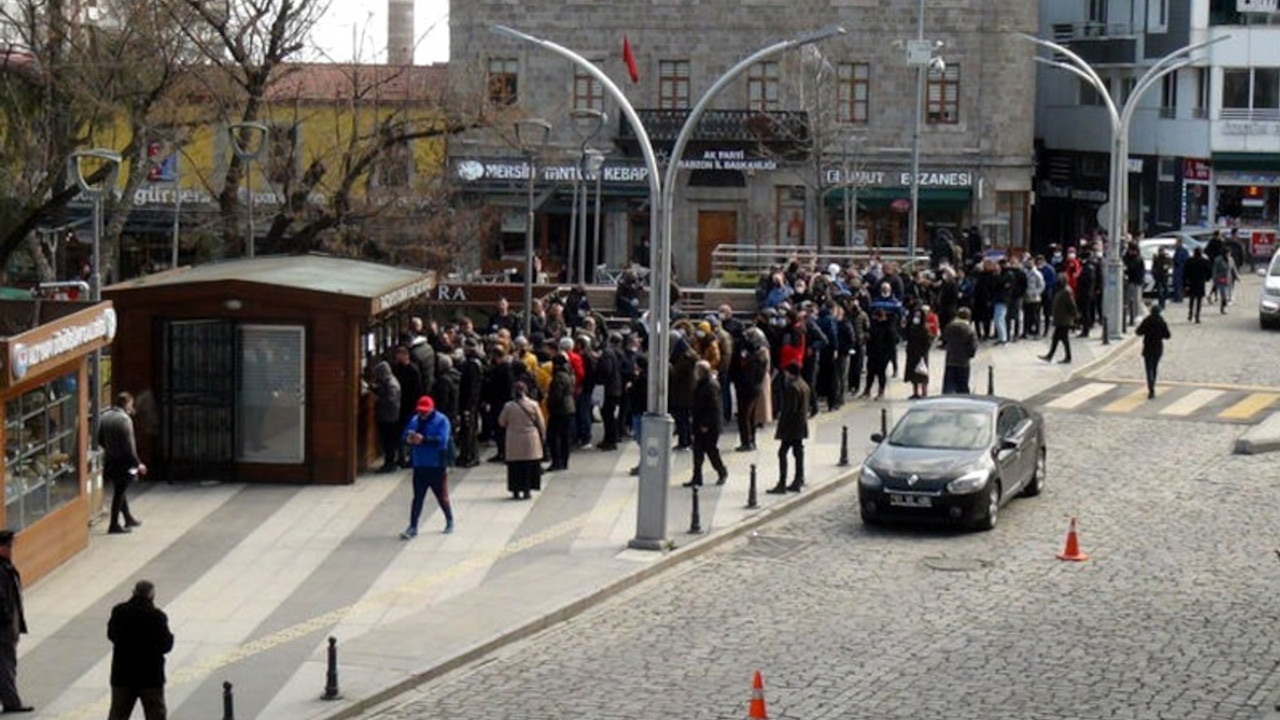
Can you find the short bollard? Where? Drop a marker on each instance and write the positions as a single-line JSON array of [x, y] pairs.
[[991, 379], [884, 421], [1106, 334], [228, 702], [844, 445], [695, 523], [752, 503], [331, 675]]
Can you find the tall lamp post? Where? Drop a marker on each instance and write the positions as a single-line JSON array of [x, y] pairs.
[[531, 137], [1120, 117], [247, 141], [595, 167], [656, 426], [920, 56], [110, 161], [589, 123]]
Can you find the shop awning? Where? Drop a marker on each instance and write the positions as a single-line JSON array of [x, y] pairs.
[[1266, 162], [880, 198]]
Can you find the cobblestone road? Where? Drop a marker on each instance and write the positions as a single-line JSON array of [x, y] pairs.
[[1174, 616]]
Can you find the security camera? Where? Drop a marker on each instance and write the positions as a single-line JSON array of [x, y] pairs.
[[938, 64]]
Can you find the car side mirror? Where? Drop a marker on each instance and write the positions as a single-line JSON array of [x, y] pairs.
[[877, 438]]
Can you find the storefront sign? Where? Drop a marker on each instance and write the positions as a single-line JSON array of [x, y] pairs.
[[881, 178], [57, 340], [728, 160], [1193, 169], [1258, 6], [1095, 196], [403, 294], [629, 173], [1262, 243], [1244, 128], [1242, 177]]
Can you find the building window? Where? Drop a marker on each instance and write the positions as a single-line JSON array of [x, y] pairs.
[[395, 167], [1089, 94], [1169, 95], [42, 451], [587, 92], [1127, 85], [282, 155], [1201, 108], [1014, 209], [673, 84], [762, 87], [943, 96], [854, 83], [790, 206], [1094, 165], [503, 80], [1251, 94], [1157, 15]]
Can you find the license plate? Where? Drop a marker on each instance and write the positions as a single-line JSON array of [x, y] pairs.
[[910, 500]]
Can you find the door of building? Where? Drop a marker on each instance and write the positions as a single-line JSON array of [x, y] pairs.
[[271, 397], [715, 227], [197, 400]]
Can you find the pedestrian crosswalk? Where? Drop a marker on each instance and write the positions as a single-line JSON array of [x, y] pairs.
[[1173, 400]]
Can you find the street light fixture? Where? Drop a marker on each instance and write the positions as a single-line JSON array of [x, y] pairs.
[[247, 141], [595, 167], [656, 428], [531, 137], [589, 122], [110, 161], [920, 55], [1120, 117]]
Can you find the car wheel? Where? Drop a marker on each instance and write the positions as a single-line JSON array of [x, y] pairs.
[[991, 514], [1036, 485], [868, 516]]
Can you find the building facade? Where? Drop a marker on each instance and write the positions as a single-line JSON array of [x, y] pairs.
[[1204, 141], [788, 150]]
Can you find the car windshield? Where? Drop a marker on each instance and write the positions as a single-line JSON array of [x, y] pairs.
[[943, 429]]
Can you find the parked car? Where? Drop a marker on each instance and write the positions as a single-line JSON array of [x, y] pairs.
[[956, 459], [1269, 303]]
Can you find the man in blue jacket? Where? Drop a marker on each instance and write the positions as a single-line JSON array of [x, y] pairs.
[[427, 436]]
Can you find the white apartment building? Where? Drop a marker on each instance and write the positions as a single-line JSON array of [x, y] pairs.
[[1204, 142]]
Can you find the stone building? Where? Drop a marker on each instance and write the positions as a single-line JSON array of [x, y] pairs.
[[790, 148]]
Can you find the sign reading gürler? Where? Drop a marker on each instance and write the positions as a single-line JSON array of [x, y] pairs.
[[62, 341]]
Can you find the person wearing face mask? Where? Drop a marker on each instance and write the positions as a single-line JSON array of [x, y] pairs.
[[1071, 269], [919, 340], [882, 340]]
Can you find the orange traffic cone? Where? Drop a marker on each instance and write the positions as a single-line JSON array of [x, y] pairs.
[[756, 710], [1072, 549]]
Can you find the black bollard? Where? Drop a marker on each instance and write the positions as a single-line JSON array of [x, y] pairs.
[[752, 504], [228, 703], [844, 445], [331, 676], [695, 524], [1106, 335], [991, 379], [884, 421]]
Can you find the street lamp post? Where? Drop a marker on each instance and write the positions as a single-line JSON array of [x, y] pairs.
[[247, 141], [1120, 117], [595, 171], [531, 136], [589, 123], [656, 426], [95, 190], [920, 56]]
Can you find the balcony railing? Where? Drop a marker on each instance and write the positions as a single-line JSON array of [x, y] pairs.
[[1250, 115], [1090, 30], [779, 127]]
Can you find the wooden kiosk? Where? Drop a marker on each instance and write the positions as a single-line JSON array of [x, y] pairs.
[[49, 492], [251, 369]]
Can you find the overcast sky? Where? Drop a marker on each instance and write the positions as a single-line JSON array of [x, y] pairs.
[[356, 30]]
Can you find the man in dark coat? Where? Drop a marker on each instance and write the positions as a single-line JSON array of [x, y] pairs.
[[708, 421], [1065, 315], [1088, 281], [793, 428], [411, 389], [1154, 331], [680, 390], [1198, 271], [609, 377], [960, 343], [445, 389], [470, 382], [13, 622], [139, 632], [120, 463]]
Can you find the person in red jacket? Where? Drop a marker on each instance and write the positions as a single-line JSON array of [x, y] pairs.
[[1071, 268]]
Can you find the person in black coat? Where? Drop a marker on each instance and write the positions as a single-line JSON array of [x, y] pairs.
[[445, 390], [139, 632], [470, 384], [411, 389], [13, 623], [1086, 284], [1198, 271], [707, 421], [609, 377], [1154, 331]]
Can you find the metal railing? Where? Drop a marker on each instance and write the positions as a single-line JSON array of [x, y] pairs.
[[737, 265], [1090, 30]]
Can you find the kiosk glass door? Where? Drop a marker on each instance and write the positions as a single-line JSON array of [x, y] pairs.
[[271, 397]]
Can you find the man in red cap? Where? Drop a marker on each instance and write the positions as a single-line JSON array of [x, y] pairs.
[[428, 436]]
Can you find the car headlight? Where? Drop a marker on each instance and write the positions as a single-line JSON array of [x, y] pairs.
[[968, 483], [869, 479], [1271, 291]]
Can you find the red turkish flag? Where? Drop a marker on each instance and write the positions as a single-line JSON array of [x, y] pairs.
[[630, 59]]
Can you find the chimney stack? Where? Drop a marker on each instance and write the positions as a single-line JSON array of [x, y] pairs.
[[400, 32]]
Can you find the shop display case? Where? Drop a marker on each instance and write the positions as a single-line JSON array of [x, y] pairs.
[[42, 444]]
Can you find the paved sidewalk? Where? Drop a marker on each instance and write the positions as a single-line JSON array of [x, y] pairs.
[[256, 578]]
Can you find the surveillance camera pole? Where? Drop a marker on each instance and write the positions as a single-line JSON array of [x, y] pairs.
[[921, 59]]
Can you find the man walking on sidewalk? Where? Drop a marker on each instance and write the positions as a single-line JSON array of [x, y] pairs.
[[793, 428], [427, 435], [707, 421], [1154, 331], [139, 632], [1065, 315], [120, 463], [13, 623]]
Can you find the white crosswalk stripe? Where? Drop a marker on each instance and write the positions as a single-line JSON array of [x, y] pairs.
[[1191, 402], [1080, 396]]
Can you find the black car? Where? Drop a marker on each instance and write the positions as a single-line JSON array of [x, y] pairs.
[[955, 458]]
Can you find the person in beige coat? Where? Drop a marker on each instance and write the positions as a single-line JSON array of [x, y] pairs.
[[525, 433]]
